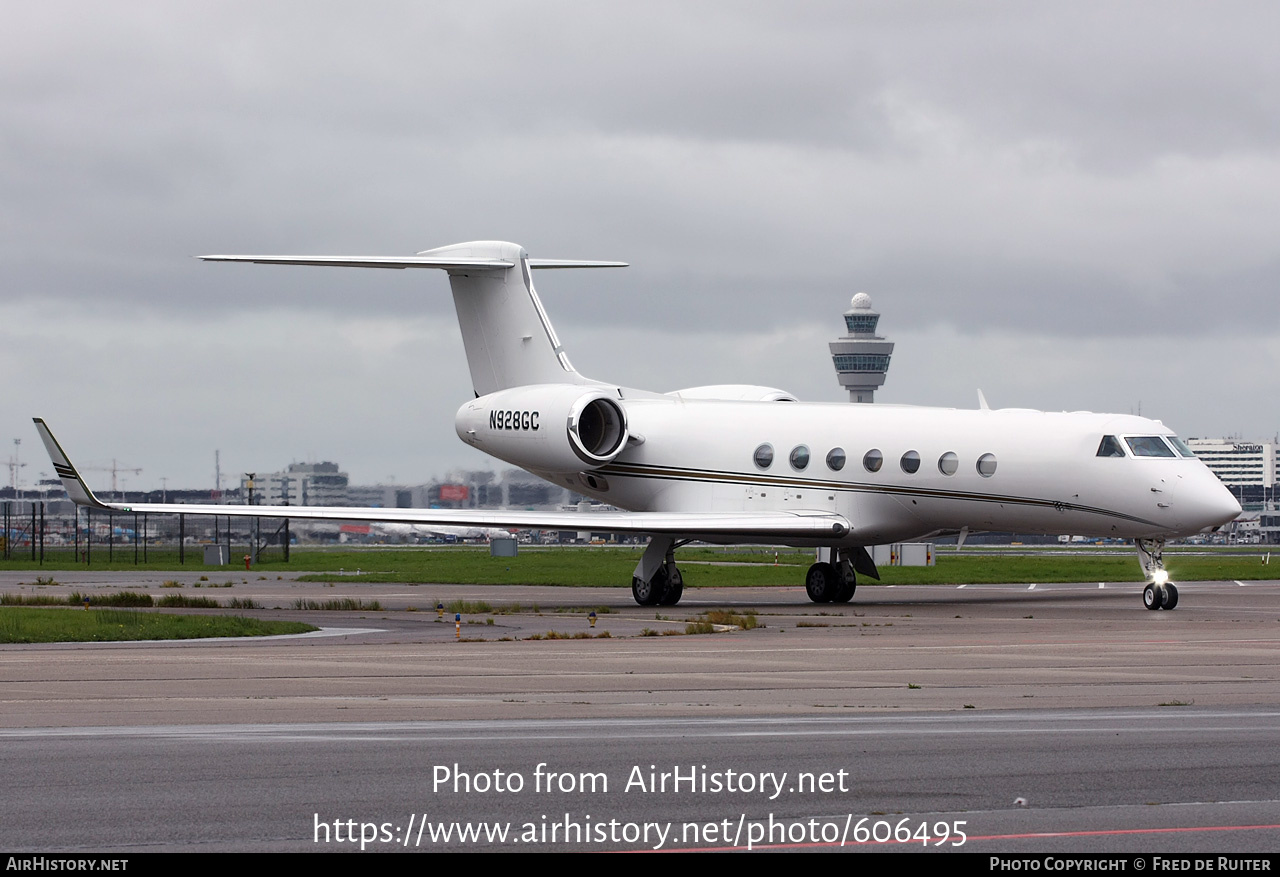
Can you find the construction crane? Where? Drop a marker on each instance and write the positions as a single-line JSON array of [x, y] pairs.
[[114, 469]]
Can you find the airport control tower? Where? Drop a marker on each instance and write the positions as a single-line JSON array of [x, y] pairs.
[[861, 357]]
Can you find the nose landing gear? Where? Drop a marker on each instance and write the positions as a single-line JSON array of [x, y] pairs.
[[1160, 596], [1160, 593]]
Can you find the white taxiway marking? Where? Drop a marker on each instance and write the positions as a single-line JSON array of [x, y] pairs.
[[325, 631]]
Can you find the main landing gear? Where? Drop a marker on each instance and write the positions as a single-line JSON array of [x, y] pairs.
[[831, 579], [657, 580], [1160, 593]]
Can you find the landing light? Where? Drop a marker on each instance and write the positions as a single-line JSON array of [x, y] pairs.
[[1160, 576]]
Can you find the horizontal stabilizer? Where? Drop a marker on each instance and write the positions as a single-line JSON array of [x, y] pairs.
[[573, 263], [398, 262], [451, 264]]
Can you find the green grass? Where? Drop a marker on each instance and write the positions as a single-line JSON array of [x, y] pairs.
[[121, 598], [181, 601], [33, 600], [467, 607], [746, 620], [582, 634], [25, 625], [343, 604], [753, 566]]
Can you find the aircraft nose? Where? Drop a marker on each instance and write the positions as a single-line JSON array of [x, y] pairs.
[[1213, 503], [1229, 506]]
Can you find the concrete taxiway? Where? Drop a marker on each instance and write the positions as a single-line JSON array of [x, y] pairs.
[[941, 701]]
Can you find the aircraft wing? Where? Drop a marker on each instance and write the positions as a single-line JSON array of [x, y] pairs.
[[740, 526]]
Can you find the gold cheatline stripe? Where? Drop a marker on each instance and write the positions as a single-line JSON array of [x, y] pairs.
[[677, 473]]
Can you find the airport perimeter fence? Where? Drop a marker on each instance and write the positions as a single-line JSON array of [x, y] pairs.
[[29, 535]]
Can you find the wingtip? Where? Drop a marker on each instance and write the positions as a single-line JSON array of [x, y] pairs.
[[72, 482]]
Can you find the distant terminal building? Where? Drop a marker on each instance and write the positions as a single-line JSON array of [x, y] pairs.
[[324, 484], [861, 357], [299, 484]]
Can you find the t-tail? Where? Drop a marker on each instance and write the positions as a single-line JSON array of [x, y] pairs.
[[509, 340]]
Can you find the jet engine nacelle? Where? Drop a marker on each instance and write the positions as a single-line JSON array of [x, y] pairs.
[[546, 427], [735, 393]]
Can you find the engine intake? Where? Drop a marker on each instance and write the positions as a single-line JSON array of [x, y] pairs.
[[546, 427], [598, 427]]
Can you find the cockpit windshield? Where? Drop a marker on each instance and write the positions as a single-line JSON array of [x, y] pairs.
[[1110, 447], [1180, 446], [1148, 446]]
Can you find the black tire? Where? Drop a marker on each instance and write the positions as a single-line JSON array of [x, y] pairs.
[[820, 582], [844, 591], [649, 593], [1170, 599], [675, 588], [1151, 597]]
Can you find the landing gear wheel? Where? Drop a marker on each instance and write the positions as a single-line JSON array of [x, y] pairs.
[[1152, 596], [844, 591], [1159, 592], [675, 588], [649, 593], [820, 583]]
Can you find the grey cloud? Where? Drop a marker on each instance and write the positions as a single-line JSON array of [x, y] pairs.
[[1081, 173]]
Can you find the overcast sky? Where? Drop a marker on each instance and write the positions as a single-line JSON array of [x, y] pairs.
[[1067, 205]]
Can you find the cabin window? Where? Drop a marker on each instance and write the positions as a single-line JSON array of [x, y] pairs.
[[911, 462], [987, 465], [764, 456], [800, 457], [872, 460], [835, 459], [1110, 447], [948, 463], [1148, 446]]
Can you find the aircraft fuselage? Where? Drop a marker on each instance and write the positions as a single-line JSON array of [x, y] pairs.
[[1022, 470]]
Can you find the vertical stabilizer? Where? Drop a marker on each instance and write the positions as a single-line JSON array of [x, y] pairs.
[[508, 338]]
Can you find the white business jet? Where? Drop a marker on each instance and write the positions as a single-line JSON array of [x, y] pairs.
[[747, 464]]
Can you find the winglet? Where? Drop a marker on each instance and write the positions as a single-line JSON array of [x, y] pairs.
[[72, 483], [982, 402]]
